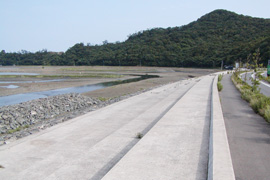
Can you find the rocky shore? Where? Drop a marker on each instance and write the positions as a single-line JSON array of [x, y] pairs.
[[20, 120]]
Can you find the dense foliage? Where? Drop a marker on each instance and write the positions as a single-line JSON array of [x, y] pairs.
[[218, 36]]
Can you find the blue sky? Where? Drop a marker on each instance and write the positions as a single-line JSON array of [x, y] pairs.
[[56, 25]]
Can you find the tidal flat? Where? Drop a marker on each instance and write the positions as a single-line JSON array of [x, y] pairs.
[[45, 78]]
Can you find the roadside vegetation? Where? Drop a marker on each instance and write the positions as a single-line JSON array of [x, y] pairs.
[[219, 85], [259, 102], [263, 78]]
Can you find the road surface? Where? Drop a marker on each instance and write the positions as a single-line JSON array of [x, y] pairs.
[[248, 135]]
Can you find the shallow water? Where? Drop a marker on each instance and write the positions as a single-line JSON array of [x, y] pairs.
[[17, 73], [10, 87], [16, 82], [19, 98]]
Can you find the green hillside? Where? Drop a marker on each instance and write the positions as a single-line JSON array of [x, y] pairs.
[[215, 37]]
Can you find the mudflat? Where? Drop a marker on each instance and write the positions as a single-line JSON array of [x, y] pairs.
[[56, 77]]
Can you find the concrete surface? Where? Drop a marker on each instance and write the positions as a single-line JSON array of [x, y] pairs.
[[220, 163], [177, 146], [248, 135], [174, 119], [87, 147]]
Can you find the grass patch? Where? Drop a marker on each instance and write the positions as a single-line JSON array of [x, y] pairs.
[[103, 99], [220, 77], [17, 129], [259, 102], [219, 86], [139, 135]]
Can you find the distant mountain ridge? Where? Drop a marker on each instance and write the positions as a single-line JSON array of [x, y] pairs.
[[218, 36]]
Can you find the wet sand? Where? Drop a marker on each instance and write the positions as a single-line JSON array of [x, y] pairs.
[[167, 75]]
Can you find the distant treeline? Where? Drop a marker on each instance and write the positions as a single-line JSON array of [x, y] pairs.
[[218, 36]]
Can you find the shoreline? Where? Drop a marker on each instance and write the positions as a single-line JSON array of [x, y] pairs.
[[13, 128], [21, 131]]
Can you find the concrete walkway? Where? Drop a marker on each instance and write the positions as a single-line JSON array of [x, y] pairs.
[[248, 135], [177, 146], [87, 147]]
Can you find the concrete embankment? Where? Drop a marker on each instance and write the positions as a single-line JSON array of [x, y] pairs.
[[175, 121], [90, 145]]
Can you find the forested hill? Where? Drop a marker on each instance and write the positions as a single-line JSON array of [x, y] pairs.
[[219, 35]]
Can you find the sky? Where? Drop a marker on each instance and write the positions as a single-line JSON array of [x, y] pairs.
[[57, 25]]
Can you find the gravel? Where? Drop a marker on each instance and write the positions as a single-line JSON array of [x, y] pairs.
[[20, 120]]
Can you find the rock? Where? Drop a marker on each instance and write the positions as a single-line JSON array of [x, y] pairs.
[[20, 120], [42, 113], [5, 117], [33, 112]]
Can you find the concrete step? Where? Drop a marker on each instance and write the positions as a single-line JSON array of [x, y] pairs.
[[177, 146]]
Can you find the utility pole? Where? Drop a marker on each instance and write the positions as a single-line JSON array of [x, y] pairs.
[[268, 68], [221, 65]]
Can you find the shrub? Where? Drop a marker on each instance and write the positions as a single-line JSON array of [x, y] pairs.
[[263, 102], [246, 95], [220, 77], [219, 86], [267, 113], [259, 102], [254, 103], [260, 76]]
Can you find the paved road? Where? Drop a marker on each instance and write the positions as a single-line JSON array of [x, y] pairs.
[[264, 86], [87, 147], [248, 135]]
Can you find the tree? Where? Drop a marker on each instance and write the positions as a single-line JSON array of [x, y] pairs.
[[254, 81]]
